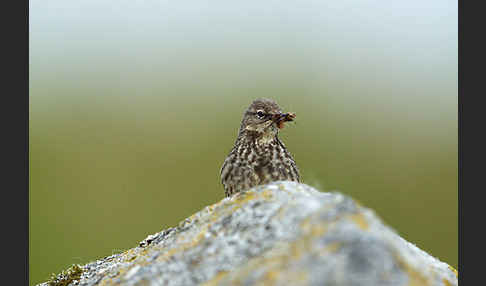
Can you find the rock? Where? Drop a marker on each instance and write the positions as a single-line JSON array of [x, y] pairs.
[[283, 233]]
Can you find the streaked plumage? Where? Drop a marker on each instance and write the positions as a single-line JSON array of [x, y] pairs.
[[258, 155]]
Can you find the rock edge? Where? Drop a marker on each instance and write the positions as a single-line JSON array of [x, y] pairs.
[[283, 233]]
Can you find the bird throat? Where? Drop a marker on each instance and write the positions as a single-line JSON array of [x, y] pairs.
[[267, 137], [263, 134]]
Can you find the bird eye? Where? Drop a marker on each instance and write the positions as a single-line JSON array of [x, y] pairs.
[[260, 114]]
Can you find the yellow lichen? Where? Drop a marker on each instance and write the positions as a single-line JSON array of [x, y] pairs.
[[108, 279], [267, 194], [241, 198], [318, 230], [185, 245], [446, 283], [245, 197], [216, 279], [275, 277], [280, 212], [129, 255], [415, 278], [271, 277], [359, 220], [333, 247], [454, 270], [314, 230]]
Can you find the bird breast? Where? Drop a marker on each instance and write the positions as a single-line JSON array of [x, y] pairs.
[[267, 137]]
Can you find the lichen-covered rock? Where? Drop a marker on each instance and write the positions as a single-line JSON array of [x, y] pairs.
[[283, 233]]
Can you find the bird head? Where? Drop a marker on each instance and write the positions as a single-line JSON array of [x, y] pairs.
[[264, 118]]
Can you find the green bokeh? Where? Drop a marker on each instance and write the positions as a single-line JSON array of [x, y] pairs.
[[128, 131]]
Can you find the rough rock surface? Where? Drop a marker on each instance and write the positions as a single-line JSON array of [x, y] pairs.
[[283, 233]]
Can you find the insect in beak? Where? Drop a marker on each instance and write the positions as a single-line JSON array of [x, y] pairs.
[[281, 118]]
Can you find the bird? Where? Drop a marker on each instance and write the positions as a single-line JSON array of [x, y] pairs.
[[258, 156]]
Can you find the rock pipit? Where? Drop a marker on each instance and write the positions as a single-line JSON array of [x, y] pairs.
[[259, 156]]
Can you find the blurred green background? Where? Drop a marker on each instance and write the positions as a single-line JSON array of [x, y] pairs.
[[135, 104]]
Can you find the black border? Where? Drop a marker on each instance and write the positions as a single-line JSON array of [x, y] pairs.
[[14, 113], [26, 124], [460, 181], [471, 178]]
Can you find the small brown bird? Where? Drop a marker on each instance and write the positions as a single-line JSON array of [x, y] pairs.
[[258, 156]]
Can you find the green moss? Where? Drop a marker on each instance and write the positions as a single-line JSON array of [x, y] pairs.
[[66, 277]]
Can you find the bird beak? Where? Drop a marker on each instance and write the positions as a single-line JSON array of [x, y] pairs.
[[281, 118]]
